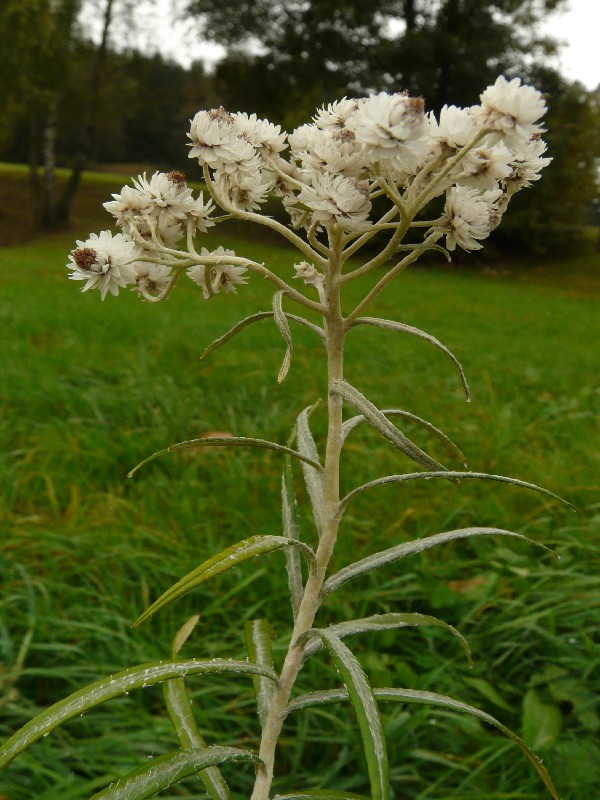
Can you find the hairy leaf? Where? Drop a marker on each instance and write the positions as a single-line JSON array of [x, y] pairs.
[[482, 476], [284, 329], [402, 328], [164, 771], [367, 713], [228, 441], [381, 423], [258, 318], [408, 548], [292, 531], [116, 686], [221, 562], [313, 699], [353, 422], [312, 478], [258, 642], [382, 622]]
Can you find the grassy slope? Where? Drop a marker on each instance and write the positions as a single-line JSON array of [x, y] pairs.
[[88, 389]]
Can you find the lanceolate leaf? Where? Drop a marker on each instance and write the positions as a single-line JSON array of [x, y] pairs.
[[226, 559], [408, 548], [164, 771], [258, 318], [284, 329], [402, 328], [182, 716], [321, 794], [381, 423], [292, 531], [367, 713], [313, 699], [481, 476], [258, 642], [352, 423], [116, 686], [312, 478], [228, 441], [382, 622]]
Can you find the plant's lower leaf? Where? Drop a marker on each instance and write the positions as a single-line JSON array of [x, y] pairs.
[[382, 622], [312, 477], [291, 529], [167, 770], [416, 546], [226, 559], [367, 713], [283, 327], [117, 685], [258, 643], [482, 476], [314, 699], [386, 428], [402, 328], [353, 422], [228, 441]]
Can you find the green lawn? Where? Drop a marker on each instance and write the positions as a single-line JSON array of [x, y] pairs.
[[88, 389]]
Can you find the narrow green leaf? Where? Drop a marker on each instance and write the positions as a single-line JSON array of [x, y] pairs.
[[402, 328], [258, 642], [230, 557], [181, 714], [416, 546], [541, 721], [321, 794], [228, 441], [116, 686], [367, 713], [313, 699], [482, 476], [283, 327], [262, 315], [292, 531], [312, 477], [381, 423], [353, 422], [164, 771], [382, 622]]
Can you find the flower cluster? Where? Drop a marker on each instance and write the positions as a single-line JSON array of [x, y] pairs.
[[354, 150]]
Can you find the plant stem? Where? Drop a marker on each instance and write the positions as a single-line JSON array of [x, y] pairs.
[[311, 600]]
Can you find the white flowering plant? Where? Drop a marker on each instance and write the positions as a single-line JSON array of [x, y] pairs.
[[355, 151]]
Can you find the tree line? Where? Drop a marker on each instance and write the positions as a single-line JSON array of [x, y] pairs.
[[74, 103]]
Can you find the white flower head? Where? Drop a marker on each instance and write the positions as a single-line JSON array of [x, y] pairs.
[[200, 212], [336, 199], [335, 116], [512, 110], [167, 195], [215, 140], [526, 165], [219, 277], [105, 262], [455, 128], [332, 150], [309, 274], [266, 138], [152, 278], [247, 189], [468, 217], [483, 167], [391, 127], [129, 204]]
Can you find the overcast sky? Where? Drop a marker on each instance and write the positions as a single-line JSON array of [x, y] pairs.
[[577, 28]]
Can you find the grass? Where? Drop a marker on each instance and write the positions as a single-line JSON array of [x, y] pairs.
[[89, 389]]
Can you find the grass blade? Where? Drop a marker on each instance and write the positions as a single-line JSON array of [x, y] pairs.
[[402, 328], [221, 562], [312, 478], [353, 422], [386, 428], [258, 642], [284, 329], [313, 699], [292, 531], [228, 441], [164, 771], [321, 794], [367, 713], [382, 622], [117, 685], [481, 476], [416, 546]]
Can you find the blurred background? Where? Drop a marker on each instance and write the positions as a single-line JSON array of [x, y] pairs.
[[95, 91]]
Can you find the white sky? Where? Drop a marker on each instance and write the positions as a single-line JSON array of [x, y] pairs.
[[577, 28]]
